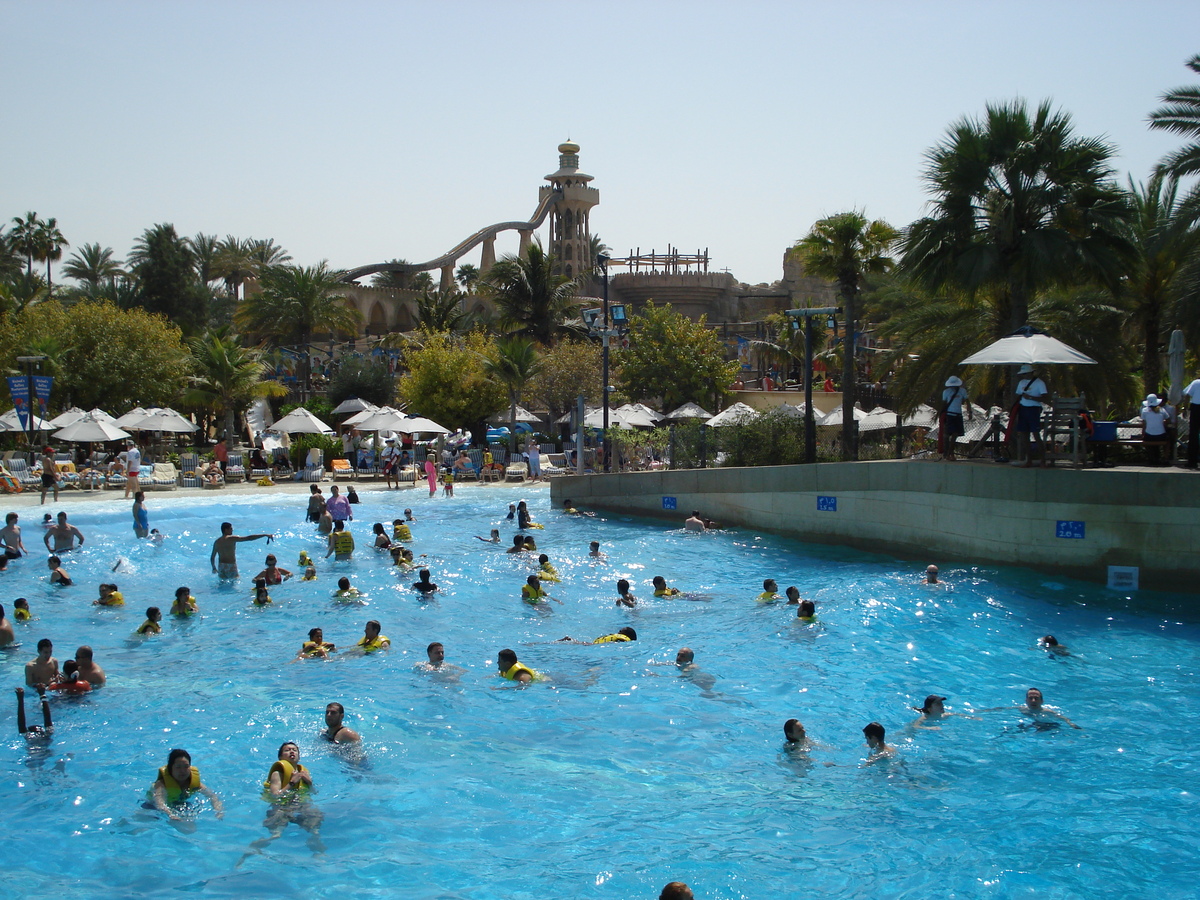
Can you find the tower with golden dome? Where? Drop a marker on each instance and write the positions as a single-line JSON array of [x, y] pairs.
[[570, 217]]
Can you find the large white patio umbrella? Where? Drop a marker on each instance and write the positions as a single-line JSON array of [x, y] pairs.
[[835, 417], [353, 405], [635, 414], [162, 420], [132, 416], [733, 415], [11, 422], [689, 410], [792, 412], [595, 419], [300, 421], [382, 418], [1028, 346], [524, 415], [363, 414], [89, 429], [421, 425], [63, 419]]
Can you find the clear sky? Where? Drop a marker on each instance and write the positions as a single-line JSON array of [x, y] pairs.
[[360, 132]]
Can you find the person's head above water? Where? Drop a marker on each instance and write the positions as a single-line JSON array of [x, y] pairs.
[[793, 730], [769, 586], [1033, 698], [874, 733], [933, 705], [628, 632], [793, 594], [806, 610], [226, 528], [685, 657], [343, 583], [623, 586], [676, 890], [931, 574], [506, 659], [1049, 641], [334, 713], [436, 653]]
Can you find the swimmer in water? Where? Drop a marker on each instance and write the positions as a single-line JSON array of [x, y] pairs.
[[770, 591], [310, 574], [335, 732], [261, 596], [21, 611], [436, 655], [1050, 644], [518, 544], [6, 630], [569, 508], [661, 589], [423, 585], [934, 710], [878, 748], [512, 669], [533, 593], [624, 597], [372, 640], [151, 626], [345, 591], [622, 636], [184, 603], [109, 596], [594, 550], [34, 732], [494, 539], [1036, 709], [401, 531], [806, 612], [382, 541], [273, 574], [316, 647], [58, 575], [931, 575], [546, 571], [793, 595], [177, 781]]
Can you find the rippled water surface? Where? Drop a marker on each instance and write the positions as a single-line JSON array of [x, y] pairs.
[[618, 773]]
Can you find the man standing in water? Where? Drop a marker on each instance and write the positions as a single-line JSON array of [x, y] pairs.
[[10, 534], [335, 732], [64, 535], [223, 558]]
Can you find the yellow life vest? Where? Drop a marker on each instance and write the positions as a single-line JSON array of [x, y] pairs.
[[376, 643], [517, 669], [767, 597], [570, 511], [401, 532], [175, 792], [611, 639], [530, 594], [304, 559], [149, 627], [184, 609], [22, 615], [286, 770], [668, 592], [116, 598], [548, 573], [311, 647], [343, 543], [309, 578]]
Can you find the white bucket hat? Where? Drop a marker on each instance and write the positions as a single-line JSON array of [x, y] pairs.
[[1025, 370], [953, 381]]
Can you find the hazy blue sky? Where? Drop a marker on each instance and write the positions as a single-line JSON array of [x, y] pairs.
[[359, 132]]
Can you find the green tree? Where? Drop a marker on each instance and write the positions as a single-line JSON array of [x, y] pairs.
[[118, 358], [530, 298], [205, 248], [1020, 204], [233, 262], [50, 244], [163, 264], [1180, 115], [514, 363], [295, 303], [401, 281], [364, 377], [447, 382], [1160, 280], [568, 369], [673, 359], [92, 264], [845, 248], [467, 277], [266, 253], [10, 256], [24, 237], [439, 311], [25, 290], [227, 376]]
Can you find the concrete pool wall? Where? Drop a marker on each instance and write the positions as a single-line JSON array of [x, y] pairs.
[[1077, 522]]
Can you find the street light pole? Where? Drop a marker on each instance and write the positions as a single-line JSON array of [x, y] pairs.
[[603, 260], [29, 361]]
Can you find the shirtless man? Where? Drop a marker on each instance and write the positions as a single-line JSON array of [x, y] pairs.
[[44, 669], [64, 535], [6, 630], [50, 474], [10, 534], [335, 732], [88, 670], [694, 522], [1035, 708], [223, 558], [931, 575], [437, 662], [879, 749]]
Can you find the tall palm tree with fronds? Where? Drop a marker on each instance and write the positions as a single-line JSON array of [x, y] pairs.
[[1180, 115], [846, 248], [442, 311], [227, 376], [234, 264], [1161, 278], [266, 253], [50, 244], [1020, 203], [10, 256], [205, 248], [467, 275], [294, 303], [24, 237], [92, 264], [514, 363], [531, 299]]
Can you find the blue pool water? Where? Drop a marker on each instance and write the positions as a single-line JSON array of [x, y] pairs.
[[617, 775]]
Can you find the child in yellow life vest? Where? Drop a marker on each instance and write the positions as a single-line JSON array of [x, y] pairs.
[[661, 589], [21, 610], [547, 572], [770, 592], [532, 593], [401, 531], [287, 774], [151, 626], [513, 670], [176, 782], [261, 596], [184, 603]]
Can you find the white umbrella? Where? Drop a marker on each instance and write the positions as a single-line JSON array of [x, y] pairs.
[[132, 416], [420, 425], [382, 418], [364, 414], [1175, 367], [689, 410], [301, 421], [835, 417], [162, 420], [924, 416], [877, 419], [101, 416], [352, 405], [637, 415], [10, 422], [732, 415], [792, 412], [524, 415], [595, 419], [63, 419], [641, 409], [90, 429], [1027, 346]]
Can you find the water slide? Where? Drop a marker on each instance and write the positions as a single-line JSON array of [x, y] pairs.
[[461, 249]]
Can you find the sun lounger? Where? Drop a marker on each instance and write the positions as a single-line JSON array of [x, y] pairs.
[[314, 466], [553, 463], [341, 469], [235, 470], [516, 471], [163, 477], [189, 470]]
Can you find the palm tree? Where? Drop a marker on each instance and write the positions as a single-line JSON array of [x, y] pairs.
[[442, 311], [205, 248], [514, 365], [530, 298], [234, 263], [22, 291], [294, 303], [1019, 204], [267, 253], [92, 264], [1181, 115], [50, 243], [845, 248], [227, 375], [24, 237], [10, 257], [1161, 276], [466, 276]]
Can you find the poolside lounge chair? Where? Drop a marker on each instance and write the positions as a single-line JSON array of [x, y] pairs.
[[280, 464], [20, 470], [341, 468], [553, 463], [314, 466], [163, 477], [407, 473], [516, 470], [235, 470], [189, 465]]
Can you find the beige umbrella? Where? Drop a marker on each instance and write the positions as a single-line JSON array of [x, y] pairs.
[[88, 429], [300, 421], [11, 422], [733, 415]]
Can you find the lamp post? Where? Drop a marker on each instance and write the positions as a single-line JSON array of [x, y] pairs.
[[29, 361], [602, 259], [810, 427]]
